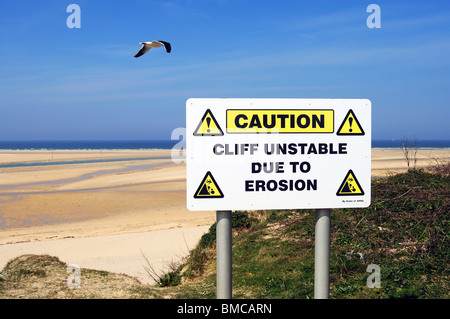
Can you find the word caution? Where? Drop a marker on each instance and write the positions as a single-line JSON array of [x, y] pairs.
[[280, 121]]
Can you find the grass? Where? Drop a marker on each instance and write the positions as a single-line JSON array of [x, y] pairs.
[[405, 232]]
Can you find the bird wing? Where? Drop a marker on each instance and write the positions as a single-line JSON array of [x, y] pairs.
[[143, 50], [167, 46]]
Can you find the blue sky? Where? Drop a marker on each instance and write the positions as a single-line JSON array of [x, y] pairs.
[[83, 83]]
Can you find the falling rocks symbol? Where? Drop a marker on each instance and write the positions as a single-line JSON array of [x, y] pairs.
[[208, 188], [350, 186]]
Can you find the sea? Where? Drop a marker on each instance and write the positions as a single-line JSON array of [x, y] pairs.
[[90, 145], [178, 144]]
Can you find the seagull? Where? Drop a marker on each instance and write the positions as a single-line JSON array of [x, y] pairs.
[[153, 44]]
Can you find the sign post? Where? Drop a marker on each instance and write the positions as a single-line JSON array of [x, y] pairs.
[[322, 254], [223, 238], [251, 154]]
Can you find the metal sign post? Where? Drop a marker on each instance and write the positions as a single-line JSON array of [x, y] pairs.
[[223, 246], [322, 254]]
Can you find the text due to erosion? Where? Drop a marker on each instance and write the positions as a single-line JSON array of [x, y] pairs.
[[294, 167]]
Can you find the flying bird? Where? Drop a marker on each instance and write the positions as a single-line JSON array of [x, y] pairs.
[[146, 46]]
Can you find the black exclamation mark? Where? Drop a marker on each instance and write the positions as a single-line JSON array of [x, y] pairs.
[[350, 120], [208, 122]]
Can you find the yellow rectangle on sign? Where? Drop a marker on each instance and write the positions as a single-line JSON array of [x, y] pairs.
[[280, 121]]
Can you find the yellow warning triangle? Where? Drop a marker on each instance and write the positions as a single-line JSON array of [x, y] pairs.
[[208, 126], [208, 188], [350, 125], [350, 186]]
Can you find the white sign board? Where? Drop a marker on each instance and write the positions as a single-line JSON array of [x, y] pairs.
[[247, 154]]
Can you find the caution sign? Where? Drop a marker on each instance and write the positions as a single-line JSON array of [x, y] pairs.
[[280, 121], [350, 125], [271, 154], [208, 188], [350, 186], [208, 126]]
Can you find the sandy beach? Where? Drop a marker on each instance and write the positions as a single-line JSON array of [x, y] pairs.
[[102, 215], [106, 209]]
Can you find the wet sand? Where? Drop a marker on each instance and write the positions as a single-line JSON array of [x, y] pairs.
[[105, 214]]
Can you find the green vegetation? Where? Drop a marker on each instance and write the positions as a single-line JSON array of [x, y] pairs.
[[405, 231]]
